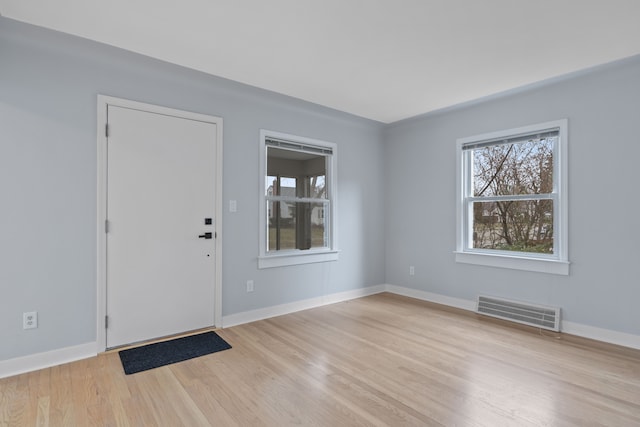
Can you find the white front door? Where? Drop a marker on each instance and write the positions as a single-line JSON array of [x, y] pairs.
[[160, 263]]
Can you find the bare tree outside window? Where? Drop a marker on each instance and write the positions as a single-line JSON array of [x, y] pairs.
[[511, 198], [511, 186]]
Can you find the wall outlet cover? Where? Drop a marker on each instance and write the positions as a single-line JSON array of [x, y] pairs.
[[30, 320]]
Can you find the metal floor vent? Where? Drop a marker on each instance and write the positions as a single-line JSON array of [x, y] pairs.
[[528, 314]]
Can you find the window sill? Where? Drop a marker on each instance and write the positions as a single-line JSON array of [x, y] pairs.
[[296, 258], [539, 265]]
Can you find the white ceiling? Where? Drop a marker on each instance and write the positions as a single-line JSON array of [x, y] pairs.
[[381, 59]]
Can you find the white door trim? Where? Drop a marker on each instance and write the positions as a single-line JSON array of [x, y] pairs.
[[101, 294]]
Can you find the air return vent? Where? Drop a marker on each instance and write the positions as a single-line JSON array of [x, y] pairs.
[[528, 314]]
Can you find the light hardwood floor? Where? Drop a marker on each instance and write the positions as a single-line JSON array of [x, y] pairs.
[[379, 360]]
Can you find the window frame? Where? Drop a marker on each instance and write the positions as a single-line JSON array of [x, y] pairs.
[[298, 256], [556, 263]]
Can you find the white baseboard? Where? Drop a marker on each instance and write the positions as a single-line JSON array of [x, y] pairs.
[[431, 297], [572, 328], [47, 359], [578, 329], [33, 362], [279, 310], [599, 334]]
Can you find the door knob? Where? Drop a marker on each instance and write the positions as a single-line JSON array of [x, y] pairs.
[[206, 235]]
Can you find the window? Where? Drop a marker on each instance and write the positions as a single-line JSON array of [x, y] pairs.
[[297, 216], [512, 201]]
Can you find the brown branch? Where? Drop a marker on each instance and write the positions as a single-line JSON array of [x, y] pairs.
[[495, 175]]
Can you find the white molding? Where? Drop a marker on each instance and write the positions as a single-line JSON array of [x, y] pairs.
[[296, 258], [432, 297], [33, 362], [605, 335], [279, 310], [571, 328], [101, 295], [217, 303], [539, 265], [47, 359]]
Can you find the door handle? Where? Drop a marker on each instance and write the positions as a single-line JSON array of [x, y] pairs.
[[206, 235]]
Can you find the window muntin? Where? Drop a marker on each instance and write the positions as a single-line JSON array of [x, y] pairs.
[[512, 197], [297, 217]]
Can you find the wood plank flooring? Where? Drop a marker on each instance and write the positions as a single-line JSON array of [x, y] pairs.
[[383, 360]]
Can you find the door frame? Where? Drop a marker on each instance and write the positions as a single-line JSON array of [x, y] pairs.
[[101, 279]]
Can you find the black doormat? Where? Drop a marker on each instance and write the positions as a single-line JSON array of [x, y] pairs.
[[167, 352]]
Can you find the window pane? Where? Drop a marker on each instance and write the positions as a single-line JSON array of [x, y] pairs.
[[287, 187], [317, 213], [296, 225], [317, 187], [519, 168], [522, 226], [301, 174], [281, 217], [271, 186]]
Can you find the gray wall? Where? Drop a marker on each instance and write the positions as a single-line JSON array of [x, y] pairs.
[[48, 87], [603, 108], [396, 188]]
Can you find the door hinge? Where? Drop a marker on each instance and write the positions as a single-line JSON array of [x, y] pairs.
[[106, 130], [106, 226], [106, 322]]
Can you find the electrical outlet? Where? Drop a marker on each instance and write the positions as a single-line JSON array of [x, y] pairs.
[[412, 270], [233, 206], [30, 320], [249, 285]]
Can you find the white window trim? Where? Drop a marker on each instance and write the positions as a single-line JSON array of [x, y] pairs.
[[296, 256], [556, 264]]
